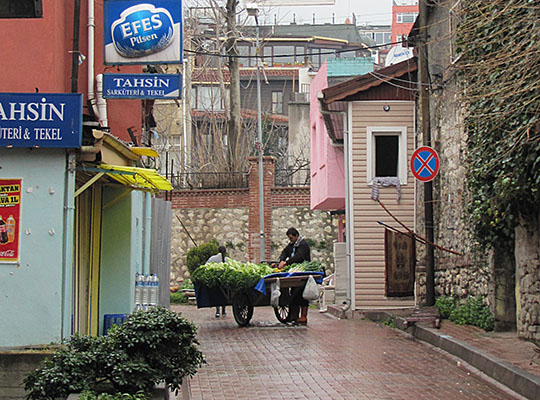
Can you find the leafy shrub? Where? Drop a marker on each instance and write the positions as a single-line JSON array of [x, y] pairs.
[[473, 312], [149, 347], [187, 284], [71, 369], [198, 256], [230, 274], [446, 306], [178, 298], [89, 395]]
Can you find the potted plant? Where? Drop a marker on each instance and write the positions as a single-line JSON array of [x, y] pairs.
[[150, 347]]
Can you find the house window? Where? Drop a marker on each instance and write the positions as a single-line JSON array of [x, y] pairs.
[[208, 98], [283, 55], [406, 18], [277, 102], [21, 9], [300, 57], [386, 153]]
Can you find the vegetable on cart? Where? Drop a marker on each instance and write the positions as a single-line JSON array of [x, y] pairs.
[[248, 285]]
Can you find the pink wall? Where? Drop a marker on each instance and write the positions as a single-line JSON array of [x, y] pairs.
[[35, 54], [327, 165]]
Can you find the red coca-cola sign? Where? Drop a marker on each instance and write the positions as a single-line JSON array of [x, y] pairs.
[[10, 213]]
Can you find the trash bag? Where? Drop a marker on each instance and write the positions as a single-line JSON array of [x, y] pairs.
[[311, 290], [275, 293]]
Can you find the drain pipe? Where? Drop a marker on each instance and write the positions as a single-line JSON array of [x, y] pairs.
[[91, 31], [350, 301], [147, 231], [101, 102]]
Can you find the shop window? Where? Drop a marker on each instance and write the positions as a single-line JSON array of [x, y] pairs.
[[387, 153], [21, 9]]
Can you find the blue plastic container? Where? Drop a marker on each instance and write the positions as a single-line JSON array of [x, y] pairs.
[[112, 319]]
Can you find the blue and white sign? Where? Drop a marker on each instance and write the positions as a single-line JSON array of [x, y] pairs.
[[148, 32], [41, 120], [425, 164], [142, 86]]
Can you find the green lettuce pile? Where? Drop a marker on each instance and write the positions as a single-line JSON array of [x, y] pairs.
[[231, 274], [312, 266]]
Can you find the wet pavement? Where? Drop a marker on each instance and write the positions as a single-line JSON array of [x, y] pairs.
[[328, 359]]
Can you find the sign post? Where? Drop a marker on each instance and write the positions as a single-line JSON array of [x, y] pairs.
[[425, 164]]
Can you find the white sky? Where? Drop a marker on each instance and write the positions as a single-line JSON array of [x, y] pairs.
[[374, 12]]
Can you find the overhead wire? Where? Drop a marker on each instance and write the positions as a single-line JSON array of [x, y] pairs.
[[337, 51]]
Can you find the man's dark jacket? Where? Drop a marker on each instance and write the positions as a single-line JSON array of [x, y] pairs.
[[301, 253]]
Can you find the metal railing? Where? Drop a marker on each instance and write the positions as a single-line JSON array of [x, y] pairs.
[[209, 180], [292, 177]]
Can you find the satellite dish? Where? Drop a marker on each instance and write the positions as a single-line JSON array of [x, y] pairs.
[[398, 54]]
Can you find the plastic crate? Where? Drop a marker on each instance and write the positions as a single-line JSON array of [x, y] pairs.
[[112, 319]]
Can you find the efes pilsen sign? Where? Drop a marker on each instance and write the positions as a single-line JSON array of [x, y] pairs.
[[142, 32], [41, 120]]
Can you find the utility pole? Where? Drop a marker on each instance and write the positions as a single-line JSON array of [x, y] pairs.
[[423, 73], [253, 11]]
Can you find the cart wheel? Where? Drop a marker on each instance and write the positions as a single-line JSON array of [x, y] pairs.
[[283, 314], [242, 310]]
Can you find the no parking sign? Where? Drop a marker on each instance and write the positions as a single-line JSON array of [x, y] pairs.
[[425, 163]]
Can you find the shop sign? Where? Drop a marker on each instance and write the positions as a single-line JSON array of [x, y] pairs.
[[40, 120], [142, 86], [142, 33], [10, 213]]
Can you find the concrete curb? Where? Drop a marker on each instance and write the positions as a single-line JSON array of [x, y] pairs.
[[520, 381]]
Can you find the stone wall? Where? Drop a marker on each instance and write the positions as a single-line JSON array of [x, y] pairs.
[[474, 273], [229, 226], [231, 216], [527, 237], [458, 278], [317, 227]]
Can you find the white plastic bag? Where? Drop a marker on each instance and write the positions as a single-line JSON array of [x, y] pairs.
[[311, 290], [275, 293]]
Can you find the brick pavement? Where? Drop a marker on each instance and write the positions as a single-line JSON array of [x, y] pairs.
[[328, 359]]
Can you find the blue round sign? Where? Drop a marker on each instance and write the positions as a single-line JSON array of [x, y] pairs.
[[425, 163]]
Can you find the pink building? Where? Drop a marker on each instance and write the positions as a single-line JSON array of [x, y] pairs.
[[327, 174], [363, 133], [38, 57]]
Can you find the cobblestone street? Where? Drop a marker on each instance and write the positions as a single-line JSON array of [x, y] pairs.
[[328, 359]]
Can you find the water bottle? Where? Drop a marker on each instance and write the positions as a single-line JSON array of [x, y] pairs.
[[139, 287], [154, 290], [146, 291]]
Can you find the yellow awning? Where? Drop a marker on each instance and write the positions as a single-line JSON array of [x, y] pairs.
[[144, 151], [137, 178]]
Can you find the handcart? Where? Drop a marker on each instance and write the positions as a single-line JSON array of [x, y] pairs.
[[243, 301]]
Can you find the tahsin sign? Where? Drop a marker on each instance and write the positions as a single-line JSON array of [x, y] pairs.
[[138, 32], [10, 218]]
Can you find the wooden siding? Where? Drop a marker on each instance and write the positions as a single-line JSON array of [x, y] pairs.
[[368, 235]]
